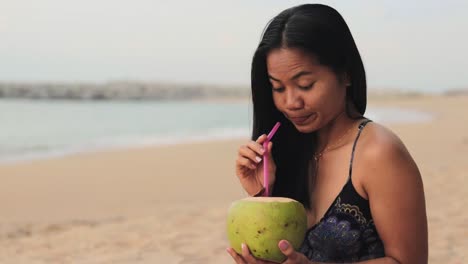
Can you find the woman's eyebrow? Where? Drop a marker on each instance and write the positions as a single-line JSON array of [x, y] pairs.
[[297, 75]]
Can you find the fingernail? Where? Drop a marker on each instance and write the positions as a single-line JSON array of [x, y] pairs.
[[243, 247], [228, 251], [258, 159], [262, 150], [283, 245]]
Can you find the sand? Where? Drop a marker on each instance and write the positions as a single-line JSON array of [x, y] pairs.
[[169, 204]]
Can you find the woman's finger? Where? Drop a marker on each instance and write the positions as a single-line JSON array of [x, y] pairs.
[[269, 148], [247, 152], [261, 139], [256, 147], [247, 256], [246, 163], [237, 258]]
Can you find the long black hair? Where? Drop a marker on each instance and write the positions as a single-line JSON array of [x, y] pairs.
[[321, 31]]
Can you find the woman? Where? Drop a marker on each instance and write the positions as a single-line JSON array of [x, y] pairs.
[[361, 188]]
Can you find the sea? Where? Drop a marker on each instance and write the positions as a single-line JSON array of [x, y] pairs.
[[38, 129]]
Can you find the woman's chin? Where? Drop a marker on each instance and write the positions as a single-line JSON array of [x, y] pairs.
[[308, 127], [305, 128]]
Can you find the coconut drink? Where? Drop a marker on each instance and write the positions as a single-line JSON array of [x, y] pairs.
[[261, 222]]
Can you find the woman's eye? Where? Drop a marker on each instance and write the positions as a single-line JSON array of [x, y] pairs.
[[306, 87], [278, 90]]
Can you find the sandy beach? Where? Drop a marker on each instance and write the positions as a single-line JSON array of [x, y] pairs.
[[169, 204]]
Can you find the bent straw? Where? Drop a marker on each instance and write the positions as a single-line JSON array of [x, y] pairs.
[[265, 159]]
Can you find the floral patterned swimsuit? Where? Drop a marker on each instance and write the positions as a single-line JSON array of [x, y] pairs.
[[347, 232]]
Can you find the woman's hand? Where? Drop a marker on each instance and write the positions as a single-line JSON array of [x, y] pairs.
[[249, 165], [293, 257]]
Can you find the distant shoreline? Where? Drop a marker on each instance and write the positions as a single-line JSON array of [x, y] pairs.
[[120, 91], [130, 90]]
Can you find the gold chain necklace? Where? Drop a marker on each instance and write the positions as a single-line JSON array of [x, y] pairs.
[[319, 155]]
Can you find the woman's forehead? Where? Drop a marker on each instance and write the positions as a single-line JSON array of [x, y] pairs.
[[290, 62]]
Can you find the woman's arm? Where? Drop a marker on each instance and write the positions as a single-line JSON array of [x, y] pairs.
[[394, 187]]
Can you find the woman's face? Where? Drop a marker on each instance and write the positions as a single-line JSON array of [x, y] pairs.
[[310, 95]]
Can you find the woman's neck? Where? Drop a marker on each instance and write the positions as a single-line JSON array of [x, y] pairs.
[[336, 132]]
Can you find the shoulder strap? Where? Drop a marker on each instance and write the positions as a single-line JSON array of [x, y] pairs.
[[361, 126]]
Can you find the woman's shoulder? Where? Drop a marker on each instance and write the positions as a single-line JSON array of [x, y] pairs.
[[379, 141], [384, 154]]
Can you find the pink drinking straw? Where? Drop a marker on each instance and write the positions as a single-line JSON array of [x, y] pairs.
[[265, 158]]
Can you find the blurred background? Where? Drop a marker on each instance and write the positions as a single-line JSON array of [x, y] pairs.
[[120, 120]]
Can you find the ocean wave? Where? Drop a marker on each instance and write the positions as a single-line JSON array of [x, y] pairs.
[[36, 152], [43, 145]]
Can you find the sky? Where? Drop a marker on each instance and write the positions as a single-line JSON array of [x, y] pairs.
[[406, 45]]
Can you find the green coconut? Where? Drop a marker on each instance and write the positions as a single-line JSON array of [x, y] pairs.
[[261, 222]]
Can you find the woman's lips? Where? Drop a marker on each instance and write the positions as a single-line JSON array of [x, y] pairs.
[[300, 120]]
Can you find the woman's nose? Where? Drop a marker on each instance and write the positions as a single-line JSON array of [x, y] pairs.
[[293, 100]]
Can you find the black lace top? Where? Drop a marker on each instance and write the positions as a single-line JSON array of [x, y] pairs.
[[346, 233]]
